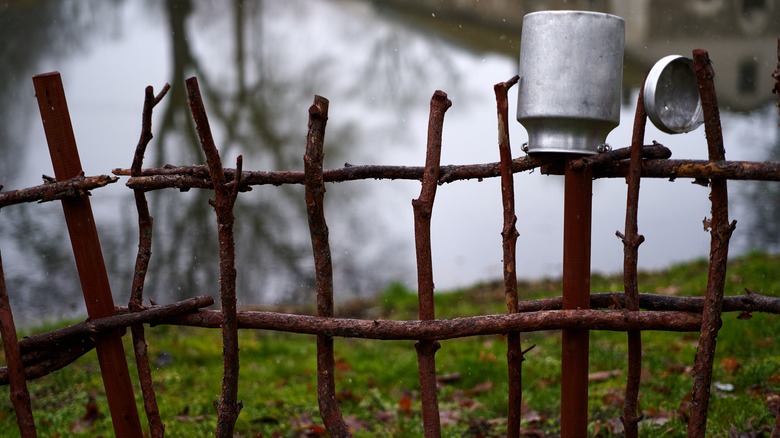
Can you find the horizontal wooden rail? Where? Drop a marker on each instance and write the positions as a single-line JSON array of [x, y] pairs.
[[194, 176], [53, 191]]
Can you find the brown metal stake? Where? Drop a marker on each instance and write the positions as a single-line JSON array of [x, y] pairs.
[[89, 257], [576, 295]]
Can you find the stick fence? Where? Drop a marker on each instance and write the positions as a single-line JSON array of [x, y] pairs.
[[35, 356]]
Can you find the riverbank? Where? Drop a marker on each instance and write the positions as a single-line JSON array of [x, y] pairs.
[[377, 380]]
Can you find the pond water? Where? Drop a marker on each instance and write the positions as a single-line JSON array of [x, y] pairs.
[[260, 63]]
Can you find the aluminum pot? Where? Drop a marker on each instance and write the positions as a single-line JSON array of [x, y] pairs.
[[571, 71], [671, 95]]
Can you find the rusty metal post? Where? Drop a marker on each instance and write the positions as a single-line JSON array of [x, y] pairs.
[[89, 257], [576, 295]]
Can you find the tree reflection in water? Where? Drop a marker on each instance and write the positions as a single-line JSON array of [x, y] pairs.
[[257, 108], [39, 266], [256, 90]]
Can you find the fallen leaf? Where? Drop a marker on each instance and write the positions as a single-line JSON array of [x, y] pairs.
[[656, 416], [464, 402], [306, 427], [356, 424], [447, 378], [600, 376], [614, 397], [342, 365], [405, 404], [734, 433], [265, 420], [673, 369], [190, 419], [316, 430], [656, 421], [613, 426], [773, 404], [384, 416], [730, 364], [670, 290], [532, 417], [487, 356], [533, 433], [449, 417], [544, 383], [684, 409], [347, 395], [91, 415], [480, 388], [478, 428]]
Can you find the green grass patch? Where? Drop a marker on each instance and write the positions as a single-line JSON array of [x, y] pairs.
[[377, 380]]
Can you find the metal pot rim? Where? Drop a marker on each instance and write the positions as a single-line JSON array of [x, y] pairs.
[[687, 117], [572, 12]]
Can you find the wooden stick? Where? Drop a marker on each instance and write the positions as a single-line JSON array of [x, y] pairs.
[[323, 265], [509, 234], [720, 234], [224, 199], [631, 241], [423, 208], [89, 257], [20, 397], [145, 222]]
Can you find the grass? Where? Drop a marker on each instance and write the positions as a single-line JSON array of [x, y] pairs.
[[377, 380]]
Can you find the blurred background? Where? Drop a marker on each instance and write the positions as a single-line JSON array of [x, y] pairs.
[[259, 64]]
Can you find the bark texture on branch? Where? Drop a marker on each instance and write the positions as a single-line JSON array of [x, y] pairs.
[[720, 232], [323, 266], [145, 224], [509, 234], [225, 193], [57, 190], [631, 241], [443, 329], [423, 209], [20, 396]]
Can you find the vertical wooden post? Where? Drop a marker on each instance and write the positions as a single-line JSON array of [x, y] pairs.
[[89, 257], [509, 234], [720, 234], [20, 397], [423, 209], [576, 295]]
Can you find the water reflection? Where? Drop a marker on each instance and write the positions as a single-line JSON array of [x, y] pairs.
[[259, 63]]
